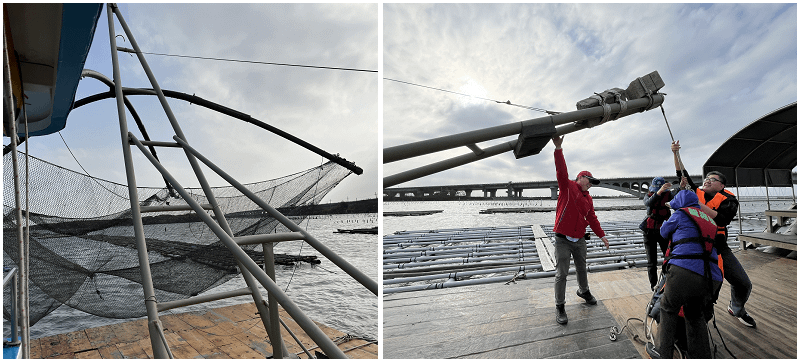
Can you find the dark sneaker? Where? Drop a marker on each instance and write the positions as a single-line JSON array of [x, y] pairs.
[[651, 351], [561, 314], [587, 296], [746, 319]]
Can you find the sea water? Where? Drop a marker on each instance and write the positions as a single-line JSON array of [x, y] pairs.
[[325, 293], [466, 213]]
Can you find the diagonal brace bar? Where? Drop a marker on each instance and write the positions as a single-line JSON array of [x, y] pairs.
[[294, 311], [324, 250]]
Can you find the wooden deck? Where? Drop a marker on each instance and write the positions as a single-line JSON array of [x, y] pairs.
[[226, 333], [518, 320]]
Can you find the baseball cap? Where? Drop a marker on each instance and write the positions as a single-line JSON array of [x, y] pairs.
[[588, 175], [657, 183]]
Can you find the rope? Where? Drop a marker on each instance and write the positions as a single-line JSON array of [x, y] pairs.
[[606, 108], [623, 105], [508, 102], [677, 154], [648, 93], [248, 61], [714, 320], [616, 331], [87, 172], [302, 243]]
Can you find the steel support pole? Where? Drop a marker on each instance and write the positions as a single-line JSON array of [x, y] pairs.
[[22, 290], [766, 187], [219, 215], [302, 320], [397, 153], [272, 303], [324, 250], [160, 350], [464, 159]]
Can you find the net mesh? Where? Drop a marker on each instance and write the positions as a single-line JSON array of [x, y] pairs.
[[82, 244]]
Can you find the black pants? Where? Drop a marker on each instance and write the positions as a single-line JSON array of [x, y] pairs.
[[652, 241], [687, 289], [735, 275]]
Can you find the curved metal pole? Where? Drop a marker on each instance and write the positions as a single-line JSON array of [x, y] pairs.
[[229, 112], [105, 80]]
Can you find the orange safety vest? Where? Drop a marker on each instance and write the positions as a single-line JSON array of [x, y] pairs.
[[714, 204]]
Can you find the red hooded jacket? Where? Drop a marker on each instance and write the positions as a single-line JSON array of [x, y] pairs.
[[575, 208]]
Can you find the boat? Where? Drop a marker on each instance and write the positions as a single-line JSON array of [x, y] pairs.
[[372, 230], [107, 253], [495, 282]]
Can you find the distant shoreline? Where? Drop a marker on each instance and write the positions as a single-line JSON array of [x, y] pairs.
[[464, 198], [368, 206]]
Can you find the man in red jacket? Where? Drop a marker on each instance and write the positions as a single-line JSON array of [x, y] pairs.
[[574, 211]]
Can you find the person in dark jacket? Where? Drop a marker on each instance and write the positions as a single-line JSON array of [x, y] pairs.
[[693, 277], [574, 212], [722, 205], [657, 212]]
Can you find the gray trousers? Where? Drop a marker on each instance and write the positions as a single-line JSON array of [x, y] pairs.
[[565, 248]]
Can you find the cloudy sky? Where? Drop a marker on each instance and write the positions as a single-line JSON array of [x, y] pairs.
[[333, 109], [724, 66]]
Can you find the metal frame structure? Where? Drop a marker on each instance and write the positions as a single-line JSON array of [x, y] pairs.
[[22, 317], [569, 122], [12, 280], [252, 273]]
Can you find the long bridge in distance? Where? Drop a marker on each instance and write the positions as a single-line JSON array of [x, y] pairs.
[[635, 186]]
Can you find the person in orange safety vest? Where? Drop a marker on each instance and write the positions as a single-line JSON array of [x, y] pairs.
[[722, 205]]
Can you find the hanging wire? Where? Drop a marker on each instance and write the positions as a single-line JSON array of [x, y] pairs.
[[87, 172], [508, 102], [248, 61], [302, 243]]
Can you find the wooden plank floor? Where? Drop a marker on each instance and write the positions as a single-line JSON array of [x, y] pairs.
[[226, 333], [518, 320]]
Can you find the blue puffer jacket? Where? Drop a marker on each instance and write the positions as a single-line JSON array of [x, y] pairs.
[[679, 227]]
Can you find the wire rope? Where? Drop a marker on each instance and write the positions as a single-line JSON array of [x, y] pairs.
[[249, 61], [87, 172], [302, 243], [508, 102]]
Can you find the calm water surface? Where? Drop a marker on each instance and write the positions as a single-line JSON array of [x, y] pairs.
[[324, 292]]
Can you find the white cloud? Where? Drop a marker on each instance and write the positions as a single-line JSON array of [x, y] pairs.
[[335, 110], [724, 65]]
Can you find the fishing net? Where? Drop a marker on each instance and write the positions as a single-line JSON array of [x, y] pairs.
[[82, 244]]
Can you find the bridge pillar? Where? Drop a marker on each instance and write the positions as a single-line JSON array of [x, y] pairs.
[[468, 193], [553, 192]]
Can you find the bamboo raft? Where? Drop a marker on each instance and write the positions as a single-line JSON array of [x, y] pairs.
[[231, 332], [507, 210]]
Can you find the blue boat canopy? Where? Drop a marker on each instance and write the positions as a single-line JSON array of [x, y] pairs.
[[48, 45]]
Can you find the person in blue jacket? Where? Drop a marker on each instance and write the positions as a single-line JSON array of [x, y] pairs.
[[692, 277]]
